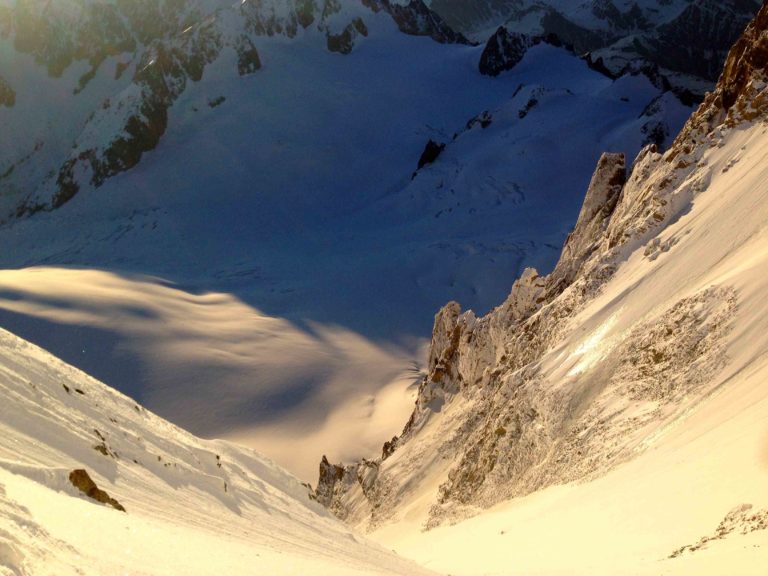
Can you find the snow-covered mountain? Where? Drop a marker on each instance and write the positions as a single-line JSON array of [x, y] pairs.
[[92, 483], [218, 212], [637, 366], [607, 418], [685, 41], [132, 61]]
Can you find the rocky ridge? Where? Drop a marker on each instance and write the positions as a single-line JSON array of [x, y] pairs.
[[503, 51], [491, 420]]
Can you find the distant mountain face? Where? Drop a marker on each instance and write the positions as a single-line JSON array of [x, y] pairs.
[[137, 57], [687, 39]]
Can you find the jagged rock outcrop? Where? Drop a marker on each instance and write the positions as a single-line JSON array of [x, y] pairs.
[[431, 153], [740, 96], [632, 19], [503, 51], [469, 358], [7, 94], [345, 41], [711, 23], [248, 59], [329, 478], [81, 480], [484, 120], [500, 413], [417, 19], [602, 196], [336, 481]]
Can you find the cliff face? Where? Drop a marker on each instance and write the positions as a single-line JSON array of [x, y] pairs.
[[503, 51], [568, 378]]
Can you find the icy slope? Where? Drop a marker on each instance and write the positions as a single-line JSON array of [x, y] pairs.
[[692, 498], [192, 506], [654, 315]]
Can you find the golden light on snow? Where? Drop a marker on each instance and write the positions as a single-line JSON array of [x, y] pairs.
[[217, 365], [594, 348]]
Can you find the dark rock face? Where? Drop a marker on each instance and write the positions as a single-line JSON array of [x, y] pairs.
[[98, 32], [389, 448], [465, 15], [747, 58], [431, 152], [7, 94], [580, 38], [675, 46], [736, 97], [305, 13], [168, 62], [484, 120], [709, 23], [83, 482], [248, 60], [688, 40], [632, 19], [503, 52], [330, 476], [345, 41], [162, 79], [599, 203], [417, 19], [335, 481], [598, 65]]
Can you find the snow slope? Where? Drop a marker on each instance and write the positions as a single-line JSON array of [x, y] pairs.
[[193, 506], [220, 366], [619, 403], [685, 475], [294, 200]]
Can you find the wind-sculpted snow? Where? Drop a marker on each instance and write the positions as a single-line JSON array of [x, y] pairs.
[[213, 363]]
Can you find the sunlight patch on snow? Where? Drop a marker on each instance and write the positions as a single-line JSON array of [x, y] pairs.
[[594, 348], [220, 367], [192, 506]]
